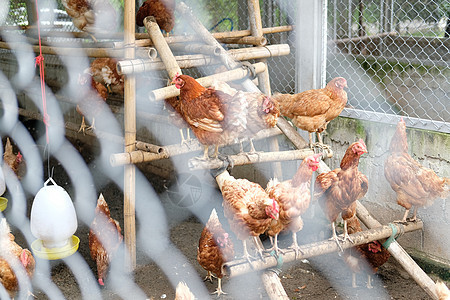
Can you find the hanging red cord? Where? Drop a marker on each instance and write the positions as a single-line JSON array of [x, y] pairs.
[[40, 62]]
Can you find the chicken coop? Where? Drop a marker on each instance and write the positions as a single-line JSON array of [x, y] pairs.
[[139, 150]]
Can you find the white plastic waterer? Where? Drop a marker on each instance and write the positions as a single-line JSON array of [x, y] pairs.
[[53, 219]]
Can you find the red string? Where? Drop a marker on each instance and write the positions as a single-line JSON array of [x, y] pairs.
[[40, 62]]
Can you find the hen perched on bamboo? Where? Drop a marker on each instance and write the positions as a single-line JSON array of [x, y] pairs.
[[92, 16], [293, 197], [414, 184], [312, 110], [249, 209], [338, 190]]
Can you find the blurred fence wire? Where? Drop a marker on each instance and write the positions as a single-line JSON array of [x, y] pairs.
[[394, 54]]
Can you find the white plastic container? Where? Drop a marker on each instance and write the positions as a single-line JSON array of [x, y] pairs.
[[53, 218]]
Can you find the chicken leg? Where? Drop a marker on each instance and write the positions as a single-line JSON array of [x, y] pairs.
[[219, 290], [335, 237], [209, 277], [83, 125]]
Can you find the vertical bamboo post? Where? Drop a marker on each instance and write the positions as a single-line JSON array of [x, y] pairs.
[[130, 139], [254, 12]]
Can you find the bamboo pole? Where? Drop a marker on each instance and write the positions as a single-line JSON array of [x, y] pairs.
[[172, 91], [130, 140], [196, 48], [245, 40], [220, 36], [240, 267], [254, 12], [424, 281], [143, 155], [125, 67], [291, 134], [273, 286], [67, 51], [247, 159], [164, 51]]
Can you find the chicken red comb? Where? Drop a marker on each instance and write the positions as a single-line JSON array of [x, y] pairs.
[[362, 142], [317, 156]]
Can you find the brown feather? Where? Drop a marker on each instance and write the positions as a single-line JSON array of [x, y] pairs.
[[162, 10]]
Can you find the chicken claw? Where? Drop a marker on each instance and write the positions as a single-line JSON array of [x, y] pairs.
[[209, 277]]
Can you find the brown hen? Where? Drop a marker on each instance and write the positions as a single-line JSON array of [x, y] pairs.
[[105, 237], [414, 184], [15, 262], [338, 190], [92, 16], [293, 197], [162, 10], [15, 161], [104, 71], [312, 110], [248, 208], [365, 258], [262, 111], [214, 117], [92, 96], [214, 249]]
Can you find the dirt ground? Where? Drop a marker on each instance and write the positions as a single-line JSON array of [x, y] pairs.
[[324, 277]]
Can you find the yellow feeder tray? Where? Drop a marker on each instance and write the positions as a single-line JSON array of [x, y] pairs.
[[55, 253], [3, 203]]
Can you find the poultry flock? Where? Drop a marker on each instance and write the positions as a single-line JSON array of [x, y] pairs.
[[219, 115]]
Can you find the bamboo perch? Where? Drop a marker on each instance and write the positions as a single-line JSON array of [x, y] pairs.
[[273, 286], [66, 51], [32, 31], [245, 40], [125, 67], [248, 158], [240, 267], [164, 51], [220, 36], [291, 134], [239, 73], [424, 281], [140, 156], [196, 48]]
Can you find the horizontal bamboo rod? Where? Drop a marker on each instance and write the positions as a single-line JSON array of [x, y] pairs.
[[245, 40], [196, 48], [50, 32], [247, 159], [142, 155], [126, 67], [220, 36], [67, 51], [240, 267], [236, 74], [424, 281]]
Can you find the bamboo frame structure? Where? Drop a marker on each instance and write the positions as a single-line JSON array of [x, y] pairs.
[[125, 67], [196, 48], [143, 155], [240, 267], [129, 213]]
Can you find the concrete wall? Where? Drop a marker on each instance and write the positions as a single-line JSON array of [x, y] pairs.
[[431, 149]]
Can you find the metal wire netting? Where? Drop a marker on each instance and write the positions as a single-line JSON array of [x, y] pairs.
[[396, 57]]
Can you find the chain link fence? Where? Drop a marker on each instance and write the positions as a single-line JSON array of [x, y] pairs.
[[396, 57]]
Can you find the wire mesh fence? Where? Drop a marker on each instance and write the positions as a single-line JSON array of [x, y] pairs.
[[396, 57], [393, 54]]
